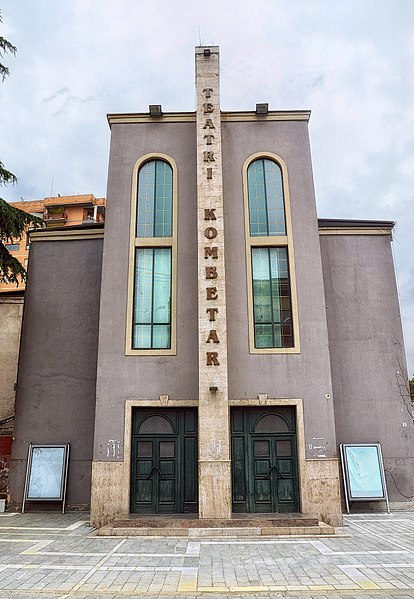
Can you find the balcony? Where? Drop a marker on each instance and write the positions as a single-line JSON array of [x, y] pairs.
[[55, 219]]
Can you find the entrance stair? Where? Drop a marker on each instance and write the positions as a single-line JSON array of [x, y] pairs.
[[240, 525]]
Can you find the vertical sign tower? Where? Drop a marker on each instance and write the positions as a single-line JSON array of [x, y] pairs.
[[214, 433]]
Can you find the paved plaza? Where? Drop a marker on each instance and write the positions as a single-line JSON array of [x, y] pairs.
[[47, 555]]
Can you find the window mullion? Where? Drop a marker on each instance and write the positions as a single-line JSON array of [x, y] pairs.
[[153, 297], [154, 220], [271, 296], [265, 197]]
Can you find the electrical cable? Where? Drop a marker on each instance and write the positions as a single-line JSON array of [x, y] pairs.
[[396, 486]]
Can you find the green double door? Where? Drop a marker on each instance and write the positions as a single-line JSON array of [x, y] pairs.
[[164, 461], [264, 460]]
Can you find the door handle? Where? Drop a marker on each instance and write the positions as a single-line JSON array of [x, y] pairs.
[[159, 472], [153, 469], [278, 472], [150, 472]]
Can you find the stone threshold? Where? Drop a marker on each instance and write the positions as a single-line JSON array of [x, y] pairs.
[[240, 525]]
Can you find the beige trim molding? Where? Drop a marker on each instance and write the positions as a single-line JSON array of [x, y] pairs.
[[271, 241], [190, 117], [289, 115], [136, 242], [168, 117], [354, 231], [43, 235]]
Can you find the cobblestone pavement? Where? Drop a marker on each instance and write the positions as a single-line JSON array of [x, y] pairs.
[[47, 555]]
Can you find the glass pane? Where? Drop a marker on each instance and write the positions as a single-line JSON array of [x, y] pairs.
[[271, 423], [163, 200], [283, 448], [261, 449], [271, 298], [146, 192], [162, 285], [144, 449], [161, 336], [265, 198], [152, 299], [167, 449], [274, 197], [263, 335], [143, 286], [142, 336], [261, 285], [257, 199], [156, 424], [154, 200]]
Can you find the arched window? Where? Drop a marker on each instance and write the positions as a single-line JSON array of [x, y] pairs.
[[154, 199], [153, 247], [156, 425], [272, 309], [266, 201]]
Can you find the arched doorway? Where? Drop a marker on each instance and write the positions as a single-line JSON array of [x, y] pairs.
[[264, 460], [164, 461]]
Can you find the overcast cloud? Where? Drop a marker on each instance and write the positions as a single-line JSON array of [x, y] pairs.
[[349, 62]]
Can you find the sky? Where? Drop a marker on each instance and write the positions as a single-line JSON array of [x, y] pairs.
[[349, 62]]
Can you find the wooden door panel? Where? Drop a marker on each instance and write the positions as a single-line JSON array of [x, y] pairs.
[[164, 461], [264, 463], [285, 490], [145, 492], [190, 472]]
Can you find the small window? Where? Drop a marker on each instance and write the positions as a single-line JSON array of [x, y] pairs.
[[12, 247]]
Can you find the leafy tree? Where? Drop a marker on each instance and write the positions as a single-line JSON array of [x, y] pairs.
[[12, 221], [411, 383]]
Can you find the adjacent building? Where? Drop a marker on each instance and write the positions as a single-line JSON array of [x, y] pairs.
[[208, 349], [59, 211]]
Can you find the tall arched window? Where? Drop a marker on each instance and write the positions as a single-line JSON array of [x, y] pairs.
[[272, 306], [153, 248]]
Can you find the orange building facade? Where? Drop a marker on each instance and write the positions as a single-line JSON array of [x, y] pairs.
[[56, 212]]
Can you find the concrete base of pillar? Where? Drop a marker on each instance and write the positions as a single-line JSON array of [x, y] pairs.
[[214, 489]]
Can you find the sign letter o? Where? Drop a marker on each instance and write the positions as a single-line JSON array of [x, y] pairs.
[[210, 232]]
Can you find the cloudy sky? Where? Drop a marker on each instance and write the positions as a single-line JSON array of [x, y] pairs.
[[349, 62]]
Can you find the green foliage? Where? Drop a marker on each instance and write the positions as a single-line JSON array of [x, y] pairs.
[[6, 176], [12, 225], [5, 46], [12, 221], [411, 383], [55, 209]]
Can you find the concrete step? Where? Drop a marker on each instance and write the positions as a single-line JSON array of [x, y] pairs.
[[237, 526]]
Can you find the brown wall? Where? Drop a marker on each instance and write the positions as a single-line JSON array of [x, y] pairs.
[[367, 352], [305, 375], [122, 377], [55, 400]]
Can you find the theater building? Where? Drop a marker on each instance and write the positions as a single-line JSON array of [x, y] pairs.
[[215, 342]]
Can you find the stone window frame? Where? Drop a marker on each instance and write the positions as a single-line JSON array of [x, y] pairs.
[[155, 243], [271, 241]]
